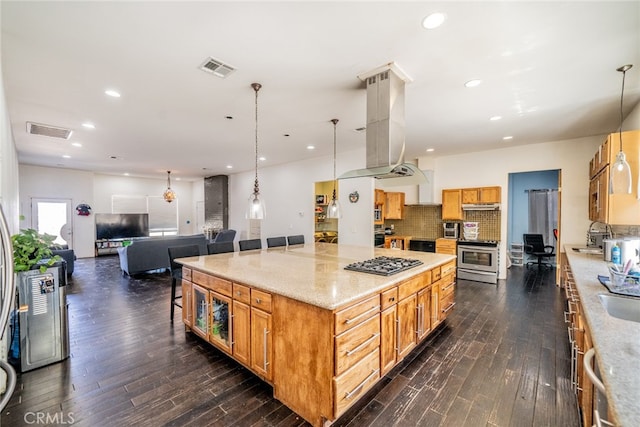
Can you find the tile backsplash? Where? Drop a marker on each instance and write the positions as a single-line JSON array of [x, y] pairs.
[[426, 222]]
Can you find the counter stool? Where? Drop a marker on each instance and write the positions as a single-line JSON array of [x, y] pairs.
[[273, 242], [298, 239], [246, 245], [176, 269], [219, 247]]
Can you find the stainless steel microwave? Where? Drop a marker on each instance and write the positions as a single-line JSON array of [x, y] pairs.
[[451, 230]]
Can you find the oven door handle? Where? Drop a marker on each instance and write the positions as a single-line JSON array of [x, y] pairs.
[[480, 272]]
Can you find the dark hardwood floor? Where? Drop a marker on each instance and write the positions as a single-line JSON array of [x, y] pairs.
[[501, 359]]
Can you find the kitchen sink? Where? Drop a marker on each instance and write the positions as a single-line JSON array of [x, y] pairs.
[[620, 307]]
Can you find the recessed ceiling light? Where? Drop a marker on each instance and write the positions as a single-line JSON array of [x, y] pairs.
[[494, 118], [76, 144], [126, 174], [88, 125], [506, 138], [112, 93], [66, 156], [229, 167], [429, 150], [434, 20], [310, 147], [473, 83], [262, 159]]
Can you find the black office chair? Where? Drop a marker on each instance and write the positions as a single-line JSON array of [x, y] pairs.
[[219, 248], [534, 246], [298, 239], [224, 236], [273, 242], [176, 269], [247, 245]]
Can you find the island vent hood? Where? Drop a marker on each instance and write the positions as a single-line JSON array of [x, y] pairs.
[[385, 129], [481, 207]]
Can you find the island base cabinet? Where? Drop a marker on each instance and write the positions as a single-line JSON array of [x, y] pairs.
[[241, 332], [388, 343], [187, 312], [406, 324]]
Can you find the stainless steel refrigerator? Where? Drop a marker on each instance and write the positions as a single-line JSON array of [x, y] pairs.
[[43, 317]]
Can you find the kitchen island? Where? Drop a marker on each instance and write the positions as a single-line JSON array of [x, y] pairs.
[[319, 334], [616, 342]]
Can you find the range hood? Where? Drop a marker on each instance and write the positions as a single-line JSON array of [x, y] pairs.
[[385, 129], [481, 207]]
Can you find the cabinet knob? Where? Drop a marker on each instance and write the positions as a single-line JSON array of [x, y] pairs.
[[258, 301]]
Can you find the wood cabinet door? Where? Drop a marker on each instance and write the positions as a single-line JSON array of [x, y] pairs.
[[470, 195], [490, 195], [187, 311], [604, 199], [261, 343], [221, 321], [200, 313], [452, 204], [379, 197], [394, 205], [241, 344], [406, 326], [435, 304], [388, 342], [423, 313]]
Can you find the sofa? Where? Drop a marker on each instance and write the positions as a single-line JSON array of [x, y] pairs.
[[67, 255], [153, 254]]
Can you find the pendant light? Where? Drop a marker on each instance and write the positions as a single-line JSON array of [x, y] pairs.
[[256, 209], [169, 195], [333, 211], [620, 173]]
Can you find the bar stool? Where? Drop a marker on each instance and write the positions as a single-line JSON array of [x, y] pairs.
[[247, 245], [176, 269], [219, 247], [273, 242], [298, 239]]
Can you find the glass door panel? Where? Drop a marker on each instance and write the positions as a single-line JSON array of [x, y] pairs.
[[200, 311], [220, 332]]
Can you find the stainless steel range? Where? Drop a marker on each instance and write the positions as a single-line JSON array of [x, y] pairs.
[[478, 260], [384, 266]]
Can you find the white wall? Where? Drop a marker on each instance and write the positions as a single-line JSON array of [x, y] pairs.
[[289, 194]]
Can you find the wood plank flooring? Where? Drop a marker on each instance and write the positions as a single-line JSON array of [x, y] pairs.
[[501, 359]]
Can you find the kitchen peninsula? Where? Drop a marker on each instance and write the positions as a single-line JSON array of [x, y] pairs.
[[321, 335]]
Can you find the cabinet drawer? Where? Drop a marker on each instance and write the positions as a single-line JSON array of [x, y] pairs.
[[199, 278], [356, 314], [447, 286], [220, 285], [356, 343], [388, 298], [447, 268], [435, 273], [355, 382], [412, 286], [261, 300], [446, 305], [241, 293], [186, 273]]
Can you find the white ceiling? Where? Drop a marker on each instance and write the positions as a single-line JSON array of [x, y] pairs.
[[548, 68]]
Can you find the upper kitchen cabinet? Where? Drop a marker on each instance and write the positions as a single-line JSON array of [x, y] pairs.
[[481, 195], [452, 204], [393, 205], [614, 209], [378, 207]]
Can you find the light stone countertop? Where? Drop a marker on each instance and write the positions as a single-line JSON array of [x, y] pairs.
[[313, 273], [616, 341]]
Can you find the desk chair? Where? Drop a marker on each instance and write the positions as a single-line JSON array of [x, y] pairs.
[[176, 269], [534, 246], [219, 247], [298, 239], [273, 242], [247, 245]]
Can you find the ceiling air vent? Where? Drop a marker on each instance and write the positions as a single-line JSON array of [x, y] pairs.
[[50, 131], [216, 67]]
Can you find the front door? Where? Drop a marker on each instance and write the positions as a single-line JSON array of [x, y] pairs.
[[53, 216]]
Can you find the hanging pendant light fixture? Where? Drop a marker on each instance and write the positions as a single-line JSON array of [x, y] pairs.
[[620, 173], [169, 195], [333, 211], [256, 209]]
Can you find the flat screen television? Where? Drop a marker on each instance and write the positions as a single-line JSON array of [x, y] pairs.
[[121, 226]]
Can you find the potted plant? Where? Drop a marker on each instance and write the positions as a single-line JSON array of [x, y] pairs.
[[31, 248]]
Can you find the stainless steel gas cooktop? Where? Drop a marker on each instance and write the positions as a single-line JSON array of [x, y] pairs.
[[384, 266]]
